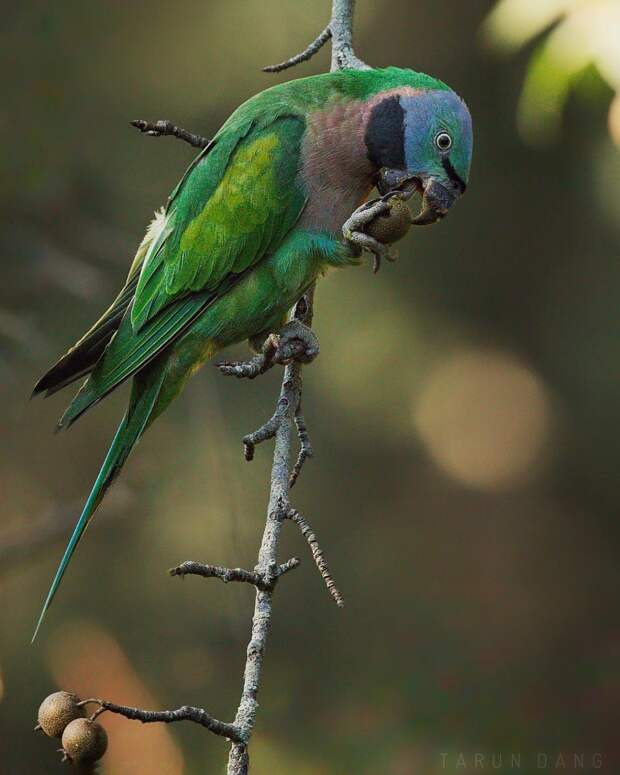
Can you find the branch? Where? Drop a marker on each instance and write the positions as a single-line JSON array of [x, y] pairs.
[[341, 25], [259, 580], [306, 54], [165, 128], [305, 446], [340, 29], [317, 554], [184, 713]]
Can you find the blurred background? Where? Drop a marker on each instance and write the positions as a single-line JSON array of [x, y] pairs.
[[465, 409]]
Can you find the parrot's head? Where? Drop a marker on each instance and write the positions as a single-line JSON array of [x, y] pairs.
[[421, 140]]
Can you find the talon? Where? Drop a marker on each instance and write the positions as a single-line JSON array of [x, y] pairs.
[[358, 228], [295, 342], [243, 369], [354, 234], [384, 252]]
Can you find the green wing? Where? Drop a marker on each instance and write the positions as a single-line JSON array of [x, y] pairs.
[[233, 207], [223, 226]]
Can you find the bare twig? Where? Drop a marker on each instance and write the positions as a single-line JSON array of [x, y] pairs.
[[340, 29], [165, 128], [317, 554], [304, 56], [190, 568], [305, 446], [266, 431], [184, 713], [258, 580]]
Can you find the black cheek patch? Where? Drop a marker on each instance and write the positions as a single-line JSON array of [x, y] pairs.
[[385, 134], [457, 180]]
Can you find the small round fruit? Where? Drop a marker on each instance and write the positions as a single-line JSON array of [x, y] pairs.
[[58, 710], [391, 226], [84, 741]]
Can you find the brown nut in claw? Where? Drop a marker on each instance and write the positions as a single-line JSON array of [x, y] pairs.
[[391, 226], [84, 741], [58, 710]]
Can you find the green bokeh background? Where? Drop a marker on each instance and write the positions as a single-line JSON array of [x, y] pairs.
[[482, 608]]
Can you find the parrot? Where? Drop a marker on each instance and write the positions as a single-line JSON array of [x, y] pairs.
[[255, 220]]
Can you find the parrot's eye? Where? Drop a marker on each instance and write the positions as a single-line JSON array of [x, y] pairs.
[[443, 141]]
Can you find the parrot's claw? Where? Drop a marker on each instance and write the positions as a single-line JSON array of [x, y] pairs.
[[254, 367], [295, 342], [353, 233]]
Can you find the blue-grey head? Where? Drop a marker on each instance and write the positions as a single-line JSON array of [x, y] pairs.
[[421, 139]]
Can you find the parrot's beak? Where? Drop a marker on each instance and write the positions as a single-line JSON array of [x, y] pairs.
[[390, 181], [438, 196], [437, 199]]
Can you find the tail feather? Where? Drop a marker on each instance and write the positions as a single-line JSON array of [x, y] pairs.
[[128, 434], [83, 356]]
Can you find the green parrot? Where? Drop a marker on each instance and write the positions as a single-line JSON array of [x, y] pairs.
[[255, 220]]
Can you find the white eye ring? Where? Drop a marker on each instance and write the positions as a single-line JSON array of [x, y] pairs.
[[443, 141]]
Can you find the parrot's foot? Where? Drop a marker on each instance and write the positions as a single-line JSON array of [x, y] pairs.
[[358, 239], [255, 366], [295, 342]]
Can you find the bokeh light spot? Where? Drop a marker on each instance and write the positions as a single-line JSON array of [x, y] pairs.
[[614, 119], [484, 417], [512, 22]]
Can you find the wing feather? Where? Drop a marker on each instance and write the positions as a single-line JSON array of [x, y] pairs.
[[234, 208], [223, 230]]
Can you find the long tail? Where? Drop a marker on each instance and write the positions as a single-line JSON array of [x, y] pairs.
[[130, 430]]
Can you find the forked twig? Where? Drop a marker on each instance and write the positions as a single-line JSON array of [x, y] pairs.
[[259, 580]]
